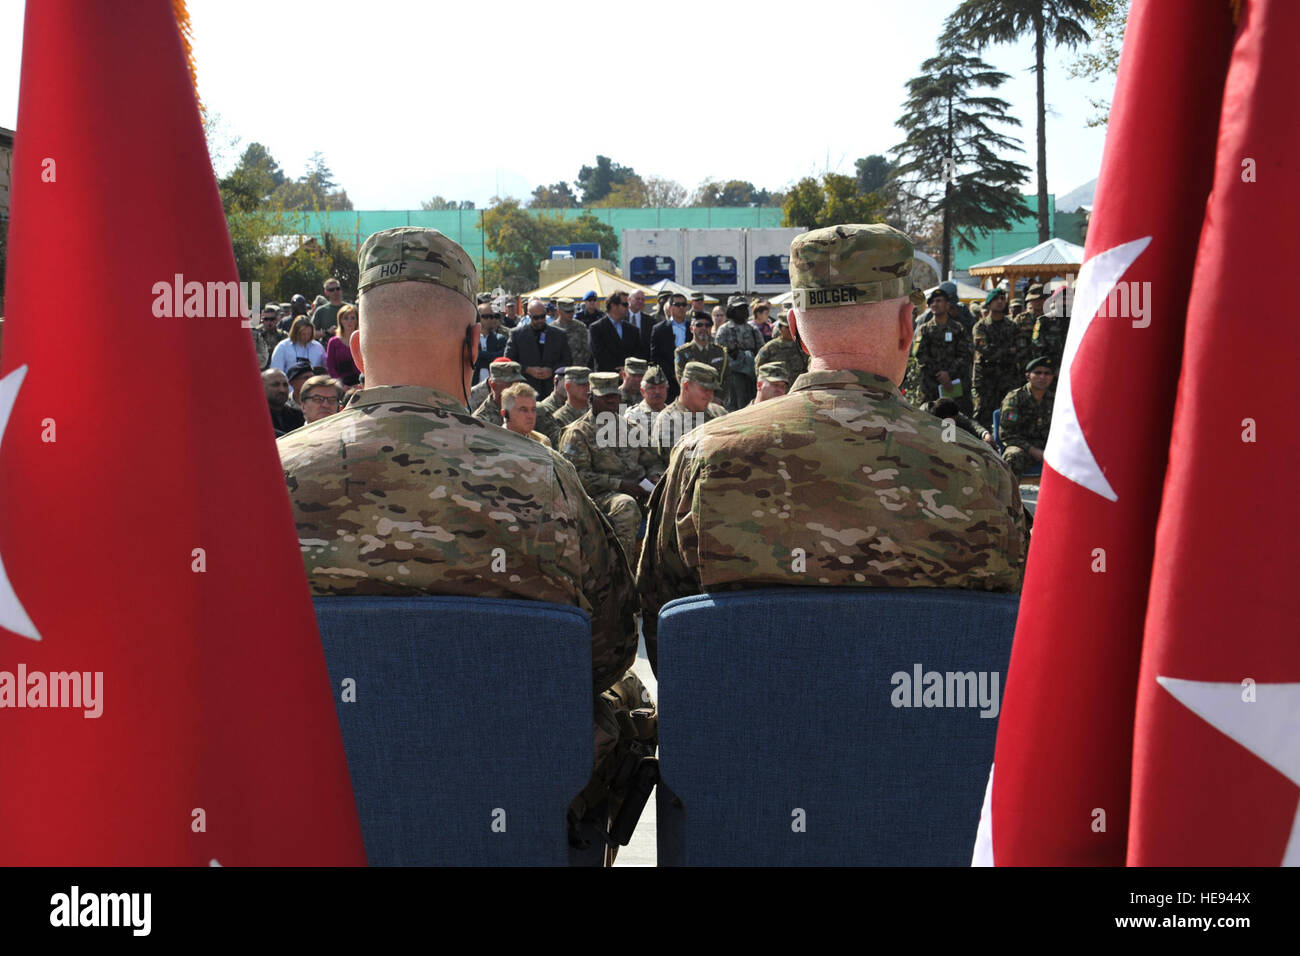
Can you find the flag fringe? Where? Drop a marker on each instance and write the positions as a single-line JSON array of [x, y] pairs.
[[187, 39]]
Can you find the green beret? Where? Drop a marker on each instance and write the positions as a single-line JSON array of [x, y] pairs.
[[604, 383], [1043, 361], [993, 294], [413, 254], [701, 374], [849, 265]]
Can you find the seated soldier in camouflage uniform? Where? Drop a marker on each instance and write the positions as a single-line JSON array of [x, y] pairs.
[[502, 373], [783, 349], [405, 493], [654, 398], [519, 412], [611, 467], [629, 390], [773, 382], [1027, 417], [693, 406], [841, 483], [577, 391]]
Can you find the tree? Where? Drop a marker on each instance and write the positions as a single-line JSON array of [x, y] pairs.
[[311, 191], [629, 194], [438, 204], [664, 193], [520, 240], [951, 163], [252, 182], [307, 267], [1101, 61], [832, 201], [873, 173], [733, 192], [981, 22], [597, 181], [555, 196]]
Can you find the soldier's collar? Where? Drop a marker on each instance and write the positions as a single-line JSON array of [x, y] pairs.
[[406, 395], [845, 378]]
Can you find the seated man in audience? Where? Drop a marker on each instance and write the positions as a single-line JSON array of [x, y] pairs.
[[501, 373], [1026, 417], [773, 382], [577, 392], [284, 417], [654, 398], [519, 411], [405, 493], [320, 397], [694, 406], [841, 483]]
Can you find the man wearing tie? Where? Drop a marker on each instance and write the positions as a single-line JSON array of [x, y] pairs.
[[538, 348], [640, 320], [613, 339], [667, 337]]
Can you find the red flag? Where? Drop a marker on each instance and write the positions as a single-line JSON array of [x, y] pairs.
[[1061, 779], [1216, 759], [146, 538]]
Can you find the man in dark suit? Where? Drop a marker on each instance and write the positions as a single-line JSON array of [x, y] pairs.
[[613, 339], [491, 342], [538, 347], [665, 339], [641, 320]]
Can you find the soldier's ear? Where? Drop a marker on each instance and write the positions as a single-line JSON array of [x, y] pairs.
[[905, 330], [354, 343]]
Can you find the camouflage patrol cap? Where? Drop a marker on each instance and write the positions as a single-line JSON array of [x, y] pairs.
[[780, 322], [850, 265], [701, 374], [654, 375], [410, 253], [507, 372], [1035, 291], [604, 383], [577, 375], [564, 305], [773, 372], [635, 366]]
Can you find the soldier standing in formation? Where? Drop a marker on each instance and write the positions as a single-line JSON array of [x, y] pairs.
[[701, 348], [783, 349], [859, 488], [742, 343], [1050, 331], [608, 464], [996, 368], [1027, 417], [943, 355]]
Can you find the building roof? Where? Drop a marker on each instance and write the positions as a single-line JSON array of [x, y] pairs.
[[575, 287], [1052, 253]]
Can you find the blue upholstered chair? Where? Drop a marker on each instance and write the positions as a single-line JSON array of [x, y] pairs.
[[780, 736], [1032, 470], [471, 729]]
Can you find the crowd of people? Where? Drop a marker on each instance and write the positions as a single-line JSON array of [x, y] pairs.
[[623, 457]]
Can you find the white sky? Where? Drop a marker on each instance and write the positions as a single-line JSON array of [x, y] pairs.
[[462, 99]]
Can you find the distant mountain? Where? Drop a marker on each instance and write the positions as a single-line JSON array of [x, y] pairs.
[[1075, 198]]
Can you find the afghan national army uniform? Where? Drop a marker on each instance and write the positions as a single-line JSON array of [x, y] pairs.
[[943, 348], [712, 355], [841, 482], [1050, 333], [676, 420], [997, 365], [784, 353], [604, 459], [1024, 425], [405, 493]]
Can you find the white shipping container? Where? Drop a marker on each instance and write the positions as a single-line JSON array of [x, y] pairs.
[[652, 254]]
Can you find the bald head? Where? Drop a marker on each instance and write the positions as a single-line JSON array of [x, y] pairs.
[[414, 333], [874, 337]]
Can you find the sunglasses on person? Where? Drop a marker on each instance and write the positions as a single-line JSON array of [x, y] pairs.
[[333, 288], [320, 399]]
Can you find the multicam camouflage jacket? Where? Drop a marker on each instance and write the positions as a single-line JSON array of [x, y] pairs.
[[605, 451], [579, 337], [840, 483], [786, 353], [404, 493]]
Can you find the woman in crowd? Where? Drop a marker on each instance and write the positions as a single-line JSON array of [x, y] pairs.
[[300, 344], [338, 356], [762, 319]]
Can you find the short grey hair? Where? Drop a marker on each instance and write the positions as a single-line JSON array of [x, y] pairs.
[[515, 392]]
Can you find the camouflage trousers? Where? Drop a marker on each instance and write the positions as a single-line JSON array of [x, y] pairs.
[[990, 387], [1018, 458], [625, 515]]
